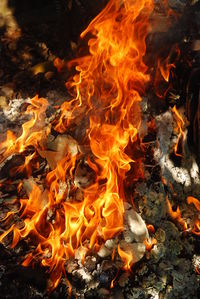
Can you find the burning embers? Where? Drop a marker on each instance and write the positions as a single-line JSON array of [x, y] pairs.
[[74, 170], [79, 205]]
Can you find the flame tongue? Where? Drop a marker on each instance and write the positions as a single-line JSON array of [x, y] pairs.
[[107, 88]]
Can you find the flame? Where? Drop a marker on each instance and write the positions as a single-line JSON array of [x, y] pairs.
[[165, 66], [150, 243], [33, 131], [179, 129], [59, 64], [150, 228], [176, 215], [196, 228], [196, 202], [126, 257], [106, 92]]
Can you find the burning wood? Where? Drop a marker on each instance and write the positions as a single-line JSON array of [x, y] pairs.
[[88, 175]]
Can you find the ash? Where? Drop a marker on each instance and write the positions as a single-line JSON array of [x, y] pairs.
[[170, 269]]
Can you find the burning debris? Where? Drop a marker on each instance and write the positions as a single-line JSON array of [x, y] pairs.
[[102, 190]]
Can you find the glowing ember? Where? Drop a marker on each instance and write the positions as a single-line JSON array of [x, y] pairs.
[[107, 87]]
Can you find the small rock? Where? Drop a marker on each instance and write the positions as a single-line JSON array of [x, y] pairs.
[[128, 235], [110, 243], [136, 225], [104, 251], [137, 250]]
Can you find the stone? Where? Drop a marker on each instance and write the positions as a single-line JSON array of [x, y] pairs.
[[104, 251], [136, 225], [128, 235], [111, 243], [137, 250]]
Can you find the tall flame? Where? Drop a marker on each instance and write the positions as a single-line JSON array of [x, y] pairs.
[[107, 87]]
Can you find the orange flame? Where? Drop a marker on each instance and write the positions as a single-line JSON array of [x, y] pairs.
[[179, 128], [176, 215], [33, 131], [149, 244], [196, 202], [164, 69], [127, 258], [107, 89]]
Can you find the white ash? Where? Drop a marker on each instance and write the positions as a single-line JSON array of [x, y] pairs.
[[154, 294], [174, 173], [83, 272], [83, 275], [12, 112], [165, 127], [158, 251], [196, 262], [186, 174]]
